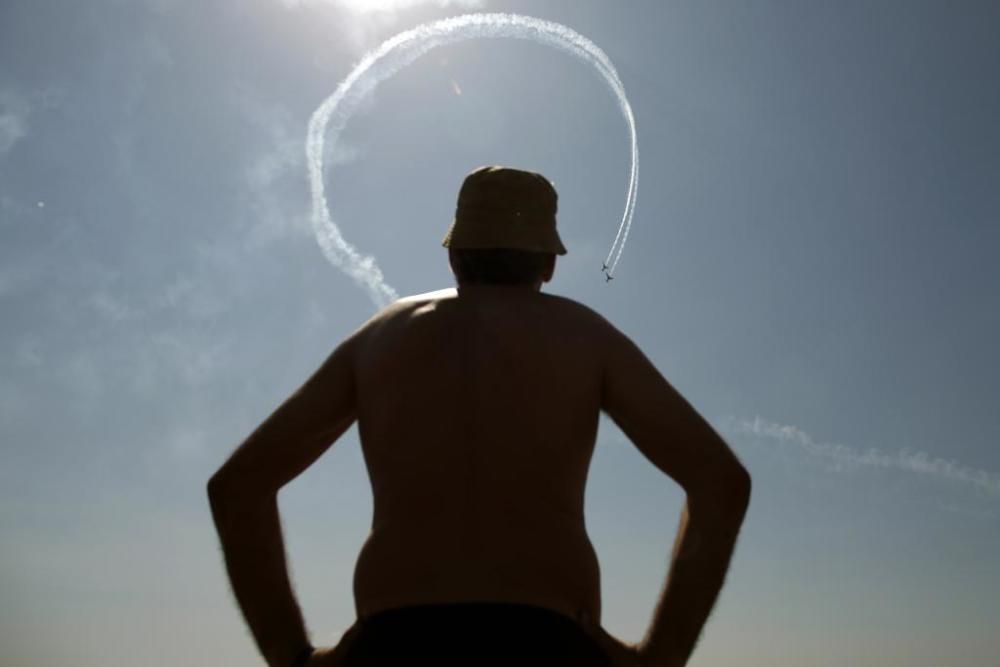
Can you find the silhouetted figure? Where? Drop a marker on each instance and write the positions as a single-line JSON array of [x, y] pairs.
[[478, 412]]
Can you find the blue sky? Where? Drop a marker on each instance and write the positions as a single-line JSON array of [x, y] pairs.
[[811, 264]]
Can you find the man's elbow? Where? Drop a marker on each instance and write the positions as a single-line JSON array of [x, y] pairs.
[[726, 493], [218, 486], [230, 486], [739, 487]]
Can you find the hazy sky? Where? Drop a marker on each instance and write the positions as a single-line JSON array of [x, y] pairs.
[[812, 264]]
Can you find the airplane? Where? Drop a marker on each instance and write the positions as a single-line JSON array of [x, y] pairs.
[[604, 266], [608, 277]]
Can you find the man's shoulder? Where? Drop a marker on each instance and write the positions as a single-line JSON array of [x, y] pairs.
[[426, 297], [406, 305], [562, 307], [572, 308]]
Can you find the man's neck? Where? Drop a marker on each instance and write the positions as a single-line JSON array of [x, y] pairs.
[[479, 288]]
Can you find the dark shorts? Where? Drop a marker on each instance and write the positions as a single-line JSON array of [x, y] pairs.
[[475, 634]]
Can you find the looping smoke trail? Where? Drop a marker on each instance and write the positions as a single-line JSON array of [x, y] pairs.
[[397, 52]]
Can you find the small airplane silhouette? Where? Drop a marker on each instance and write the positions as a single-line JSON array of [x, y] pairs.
[[608, 277], [604, 266]]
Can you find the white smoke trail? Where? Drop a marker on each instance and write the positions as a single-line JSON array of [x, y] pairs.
[[905, 460], [397, 52]]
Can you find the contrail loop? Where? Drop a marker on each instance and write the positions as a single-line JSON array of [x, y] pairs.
[[397, 52]]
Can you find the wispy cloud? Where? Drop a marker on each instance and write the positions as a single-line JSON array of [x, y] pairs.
[[17, 107], [14, 278], [111, 307], [187, 442], [273, 175], [387, 6], [197, 359], [904, 459], [27, 352], [13, 401], [14, 111]]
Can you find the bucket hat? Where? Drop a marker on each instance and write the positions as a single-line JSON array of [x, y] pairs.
[[500, 207]]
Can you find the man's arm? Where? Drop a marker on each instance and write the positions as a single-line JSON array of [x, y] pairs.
[[675, 438], [244, 500]]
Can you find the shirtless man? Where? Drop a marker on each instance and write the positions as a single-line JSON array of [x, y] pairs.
[[477, 410]]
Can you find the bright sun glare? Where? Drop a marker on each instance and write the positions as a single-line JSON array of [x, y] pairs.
[[363, 6], [391, 6]]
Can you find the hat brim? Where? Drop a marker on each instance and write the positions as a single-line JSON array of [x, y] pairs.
[[475, 234]]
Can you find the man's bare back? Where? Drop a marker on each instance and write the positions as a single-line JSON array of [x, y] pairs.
[[478, 413]]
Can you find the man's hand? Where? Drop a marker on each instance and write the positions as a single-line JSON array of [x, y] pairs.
[[334, 656], [620, 653], [326, 656]]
